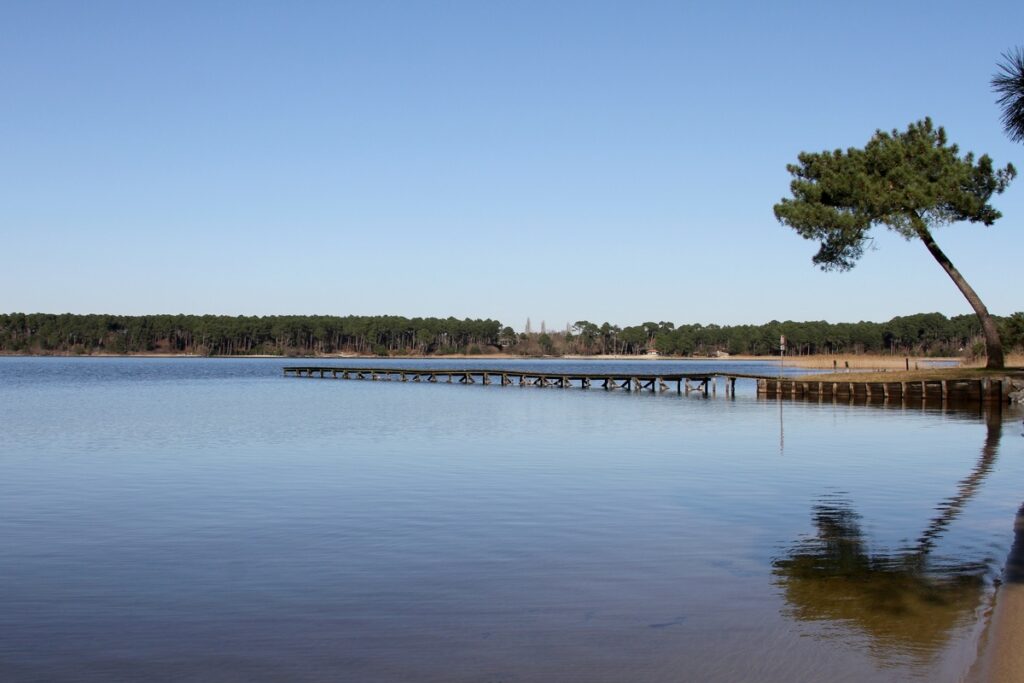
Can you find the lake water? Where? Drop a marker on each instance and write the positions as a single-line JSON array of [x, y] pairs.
[[210, 520]]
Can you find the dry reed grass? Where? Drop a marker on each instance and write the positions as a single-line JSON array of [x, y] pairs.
[[1013, 360], [866, 362], [855, 362], [902, 375]]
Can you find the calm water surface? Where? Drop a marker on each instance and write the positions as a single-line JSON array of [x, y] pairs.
[[209, 520]]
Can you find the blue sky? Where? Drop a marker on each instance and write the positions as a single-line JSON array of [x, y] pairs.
[[560, 161]]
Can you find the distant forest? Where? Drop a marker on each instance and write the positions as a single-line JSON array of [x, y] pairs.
[[925, 334]]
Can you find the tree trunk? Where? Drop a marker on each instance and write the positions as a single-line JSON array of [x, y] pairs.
[[993, 345]]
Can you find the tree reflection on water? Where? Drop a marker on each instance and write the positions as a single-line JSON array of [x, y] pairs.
[[906, 602]]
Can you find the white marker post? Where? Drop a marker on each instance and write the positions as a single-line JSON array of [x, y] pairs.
[[782, 353]]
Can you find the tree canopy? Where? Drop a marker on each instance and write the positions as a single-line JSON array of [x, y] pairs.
[[910, 182], [922, 334], [223, 335], [1009, 85]]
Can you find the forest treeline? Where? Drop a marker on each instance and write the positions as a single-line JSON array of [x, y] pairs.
[[219, 335], [925, 334]]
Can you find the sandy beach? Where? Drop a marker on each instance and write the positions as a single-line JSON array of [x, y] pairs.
[[1002, 656], [1001, 652]]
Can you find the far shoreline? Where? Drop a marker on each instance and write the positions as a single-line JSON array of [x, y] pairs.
[[817, 361]]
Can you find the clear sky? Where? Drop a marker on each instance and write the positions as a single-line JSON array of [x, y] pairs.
[[555, 160]]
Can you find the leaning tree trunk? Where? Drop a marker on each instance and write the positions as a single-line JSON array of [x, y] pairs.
[[993, 345]]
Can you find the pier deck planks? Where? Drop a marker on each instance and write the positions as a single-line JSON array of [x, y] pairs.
[[703, 382]]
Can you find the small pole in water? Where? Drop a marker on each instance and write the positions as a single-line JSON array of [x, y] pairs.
[[782, 354]]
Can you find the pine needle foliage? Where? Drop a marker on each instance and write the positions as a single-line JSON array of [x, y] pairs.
[[1009, 85], [899, 180], [908, 181]]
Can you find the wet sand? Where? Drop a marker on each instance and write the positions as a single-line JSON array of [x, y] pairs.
[[1001, 658]]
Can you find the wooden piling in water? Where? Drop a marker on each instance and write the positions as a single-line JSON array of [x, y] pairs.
[[985, 390]]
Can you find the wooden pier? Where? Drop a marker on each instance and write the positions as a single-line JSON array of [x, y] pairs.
[[985, 390], [704, 383]]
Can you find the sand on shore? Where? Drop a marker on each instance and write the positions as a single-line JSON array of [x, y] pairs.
[[1001, 651]]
